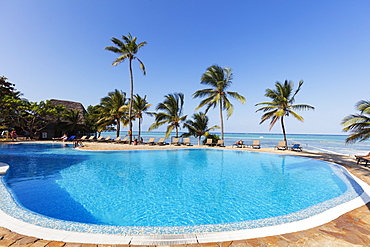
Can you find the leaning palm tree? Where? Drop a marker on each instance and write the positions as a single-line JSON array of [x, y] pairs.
[[110, 110], [127, 50], [172, 113], [219, 79], [282, 104], [140, 106], [199, 126], [358, 124]]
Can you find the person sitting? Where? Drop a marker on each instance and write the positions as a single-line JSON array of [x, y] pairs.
[[63, 138], [361, 156], [365, 158], [13, 135], [239, 144]]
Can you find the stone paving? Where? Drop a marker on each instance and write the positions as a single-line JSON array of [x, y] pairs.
[[350, 229]]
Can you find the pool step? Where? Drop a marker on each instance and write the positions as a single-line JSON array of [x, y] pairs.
[[3, 168]]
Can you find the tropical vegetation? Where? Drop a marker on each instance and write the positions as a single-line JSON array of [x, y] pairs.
[[31, 117], [198, 127], [358, 125], [112, 111], [171, 113], [282, 104], [127, 49], [219, 79], [140, 107]]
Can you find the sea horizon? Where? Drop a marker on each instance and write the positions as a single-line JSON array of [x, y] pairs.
[[326, 143]]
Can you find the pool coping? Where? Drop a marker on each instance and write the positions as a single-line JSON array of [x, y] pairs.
[[173, 239]]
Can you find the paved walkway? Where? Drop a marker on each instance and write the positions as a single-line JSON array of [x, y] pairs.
[[350, 229]]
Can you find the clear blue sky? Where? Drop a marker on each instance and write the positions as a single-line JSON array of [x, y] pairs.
[[55, 49]]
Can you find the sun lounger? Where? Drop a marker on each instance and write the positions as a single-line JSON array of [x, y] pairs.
[[296, 147], [107, 139], [365, 158], [83, 138], [256, 144], [124, 140], [150, 141], [281, 145], [71, 138], [90, 139], [220, 143], [175, 141], [118, 139], [187, 142], [161, 142], [101, 138], [209, 142]]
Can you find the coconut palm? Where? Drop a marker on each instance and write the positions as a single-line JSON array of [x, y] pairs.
[[74, 121], [282, 104], [140, 106], [127, 50], [199, 126], [172, 113], [219, 79], [110, 110], [358, 124]]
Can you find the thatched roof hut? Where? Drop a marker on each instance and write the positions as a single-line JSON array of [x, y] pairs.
[[70, 105]]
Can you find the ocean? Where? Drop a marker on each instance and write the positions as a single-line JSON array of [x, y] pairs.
[[316, 142]]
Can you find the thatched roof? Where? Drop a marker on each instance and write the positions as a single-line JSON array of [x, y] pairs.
[[70, 105]]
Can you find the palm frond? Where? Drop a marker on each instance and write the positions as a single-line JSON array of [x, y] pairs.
[[302, 107], [237, 96], [298, 117], [142, 66]]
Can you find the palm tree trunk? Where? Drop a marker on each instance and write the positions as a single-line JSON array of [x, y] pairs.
[[177, 132], [283, 128], [222, 122], [139, 139], [131, 99], [118, 127], [199, 140]]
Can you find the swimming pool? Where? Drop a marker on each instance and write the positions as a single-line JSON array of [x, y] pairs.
[[169, 191]]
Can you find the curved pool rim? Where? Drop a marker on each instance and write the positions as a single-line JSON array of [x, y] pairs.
[[23, 221]]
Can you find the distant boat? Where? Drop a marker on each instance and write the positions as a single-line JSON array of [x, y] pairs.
[[261, 136]]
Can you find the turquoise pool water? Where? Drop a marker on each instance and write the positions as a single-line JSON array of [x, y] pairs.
[[167, 187]]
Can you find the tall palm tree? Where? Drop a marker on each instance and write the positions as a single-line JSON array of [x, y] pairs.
[[199, 126], [110, 110], [172, 113], [282, 104], [127, 50], [219, 79], [358, 124], [140, 106]]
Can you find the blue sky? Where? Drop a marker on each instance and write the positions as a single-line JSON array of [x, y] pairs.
[[55, 49]]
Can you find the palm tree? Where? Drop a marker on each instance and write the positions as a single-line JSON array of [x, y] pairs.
[[110, 110], [140, 106], [171, 114], [219, 79], [199, 127], [358, 124], [127, 50], [74, 121], [282, 104]]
